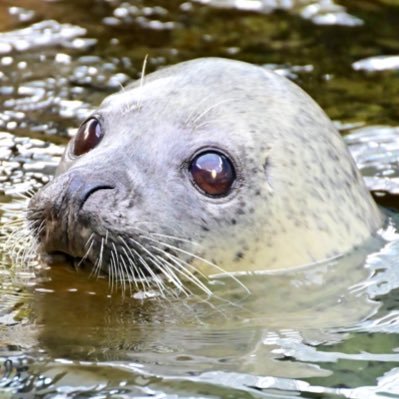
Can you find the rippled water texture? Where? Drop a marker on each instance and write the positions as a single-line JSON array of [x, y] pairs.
[[331, 330]]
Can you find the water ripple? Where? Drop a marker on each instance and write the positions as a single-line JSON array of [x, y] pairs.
[[47, 33]]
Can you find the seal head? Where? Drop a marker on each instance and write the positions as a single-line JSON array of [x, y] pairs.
[[207, 165]]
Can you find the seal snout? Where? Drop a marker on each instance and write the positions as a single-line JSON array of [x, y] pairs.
[[61, 214], [81, 187]]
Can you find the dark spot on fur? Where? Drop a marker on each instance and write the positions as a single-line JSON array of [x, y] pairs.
[[239, 256]]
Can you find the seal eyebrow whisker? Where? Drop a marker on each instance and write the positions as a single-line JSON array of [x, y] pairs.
[[122, 88], [142, 78], [220, 269], [194, 111], [201, 115], [209, 121]]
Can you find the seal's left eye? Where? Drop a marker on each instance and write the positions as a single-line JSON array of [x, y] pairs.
[[212, 173], [88, 137]]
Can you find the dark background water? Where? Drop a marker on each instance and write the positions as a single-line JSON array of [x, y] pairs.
[[329, 332]]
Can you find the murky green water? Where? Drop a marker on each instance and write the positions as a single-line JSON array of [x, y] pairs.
[[327, 331]]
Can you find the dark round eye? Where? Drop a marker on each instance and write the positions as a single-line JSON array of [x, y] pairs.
[[213, 173], [88, 136]]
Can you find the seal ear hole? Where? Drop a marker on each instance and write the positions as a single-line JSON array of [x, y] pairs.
[[88, 136], [212, 173]]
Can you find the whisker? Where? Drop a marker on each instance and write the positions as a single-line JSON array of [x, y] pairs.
[[115, 251], [98, 264], [186, 273], [111, 270], [209, 109], [142, 77], [132, 264], [169, 276], [135, 254], [191, 255], [90, 239], [194, 113]]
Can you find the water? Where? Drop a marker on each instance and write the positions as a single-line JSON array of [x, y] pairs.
[[326, 331]]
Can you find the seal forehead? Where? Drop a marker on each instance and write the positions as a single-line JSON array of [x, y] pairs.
[[195, 80], [129, 99]]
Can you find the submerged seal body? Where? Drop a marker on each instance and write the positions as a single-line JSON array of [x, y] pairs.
[[207, 165]]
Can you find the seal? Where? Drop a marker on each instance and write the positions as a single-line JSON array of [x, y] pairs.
[[210, 165]]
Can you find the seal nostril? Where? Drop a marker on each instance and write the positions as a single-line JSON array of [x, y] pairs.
[[80, 187], [92, 190]]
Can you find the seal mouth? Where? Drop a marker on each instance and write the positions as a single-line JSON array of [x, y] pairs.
[[135, 258], [127, 256], [57, 258]]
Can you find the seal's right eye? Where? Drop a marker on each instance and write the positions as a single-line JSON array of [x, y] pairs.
[[212, 173], [88, 136]]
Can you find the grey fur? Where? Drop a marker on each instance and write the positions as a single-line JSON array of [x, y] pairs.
[[298, 197]]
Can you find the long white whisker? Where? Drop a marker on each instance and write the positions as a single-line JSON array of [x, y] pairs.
[[191, 255], [90, 239], [198, 105], [142, 77], [170, 276], [178, 266], [117, 268], [135, 254], [209, 109], [97, 266]]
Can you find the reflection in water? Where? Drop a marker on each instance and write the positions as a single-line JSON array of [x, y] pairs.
[[325, 331], [325, 12], [378, 63]]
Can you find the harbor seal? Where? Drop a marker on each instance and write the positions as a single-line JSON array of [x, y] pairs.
[[210, 165]]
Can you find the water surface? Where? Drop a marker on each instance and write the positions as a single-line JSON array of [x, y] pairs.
[[326, 331]]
